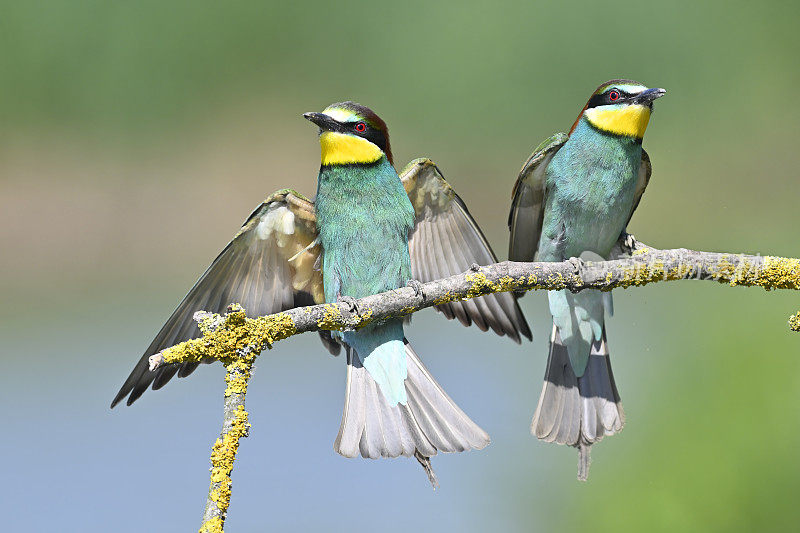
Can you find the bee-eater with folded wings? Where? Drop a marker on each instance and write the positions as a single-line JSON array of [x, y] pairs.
[[574, 198]]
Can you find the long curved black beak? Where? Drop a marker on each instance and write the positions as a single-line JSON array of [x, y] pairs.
[[325, 122], [647, 97]]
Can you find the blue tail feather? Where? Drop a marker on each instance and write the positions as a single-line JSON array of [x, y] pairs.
[[382, 352]]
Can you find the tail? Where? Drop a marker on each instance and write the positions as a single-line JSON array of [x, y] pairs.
[[428, 423], [578, 411]]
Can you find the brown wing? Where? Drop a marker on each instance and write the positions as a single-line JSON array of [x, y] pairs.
[[269, 266], [528, 201], [447, 241], [645, 170]]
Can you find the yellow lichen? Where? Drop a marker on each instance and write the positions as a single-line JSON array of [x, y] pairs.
[[447, 297], [682, 271], [640, 251], [556, 281], [236, 342], [223, 457], [331, 318], [772, 273], [794, 322], [481, 284], [214, 525], [365, 317], [641, 274], [780, 273], [237, 376], [227, 342]]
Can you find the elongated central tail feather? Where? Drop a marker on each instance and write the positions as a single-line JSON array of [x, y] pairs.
[[428, 423], [578, 411]]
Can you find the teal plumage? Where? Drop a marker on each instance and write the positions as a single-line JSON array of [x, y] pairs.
[[573, 199], [364, 218], [586, 215]]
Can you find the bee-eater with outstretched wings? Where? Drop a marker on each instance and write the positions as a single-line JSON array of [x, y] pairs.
[[574, 197], [368, 231]]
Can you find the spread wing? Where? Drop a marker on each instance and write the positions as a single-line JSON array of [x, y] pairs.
[[447, 241], [269, 266], [645, 170], [528, 201]]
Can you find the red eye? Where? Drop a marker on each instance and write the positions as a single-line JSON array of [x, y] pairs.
[[613, 96], [361, 127]]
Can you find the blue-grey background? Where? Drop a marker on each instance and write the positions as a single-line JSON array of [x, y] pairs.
[[135, 137]]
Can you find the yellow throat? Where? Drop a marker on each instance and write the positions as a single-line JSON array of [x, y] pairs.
[[629, 120], [344, 149]]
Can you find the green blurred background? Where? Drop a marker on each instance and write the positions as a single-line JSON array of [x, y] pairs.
[[136, 136]]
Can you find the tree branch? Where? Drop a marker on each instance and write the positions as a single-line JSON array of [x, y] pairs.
[[236, 340], [239, 368], [645, 265]]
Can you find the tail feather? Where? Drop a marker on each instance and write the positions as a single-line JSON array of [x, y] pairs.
[[430, 421], [578, 411], [425, 462]]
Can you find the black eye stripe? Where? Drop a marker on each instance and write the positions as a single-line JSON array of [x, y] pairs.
[[371, 134], [604, 98]]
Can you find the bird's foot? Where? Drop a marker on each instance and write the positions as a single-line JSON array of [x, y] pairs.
[[350, 302], [417, 286], [630, 242], [475, 267], [428, 467], [577, 263]]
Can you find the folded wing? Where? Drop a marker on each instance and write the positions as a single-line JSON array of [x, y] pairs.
[[645, 170], [528, 201], [530, 195]]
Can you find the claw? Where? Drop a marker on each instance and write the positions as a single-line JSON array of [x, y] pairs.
[[577, 263], [350, 301], [630, 242], [417, 286]]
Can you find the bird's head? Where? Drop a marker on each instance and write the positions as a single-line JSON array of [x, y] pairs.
[[351, 134], [620, 107]]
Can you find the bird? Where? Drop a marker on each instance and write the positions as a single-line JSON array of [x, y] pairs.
[[574, 198], [368, 230]]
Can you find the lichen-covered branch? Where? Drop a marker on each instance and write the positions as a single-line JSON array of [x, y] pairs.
[[236, 340], [239, 368], [644, 265]]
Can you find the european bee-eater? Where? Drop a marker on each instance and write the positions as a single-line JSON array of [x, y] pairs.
[[574, 197], [368, 231]]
